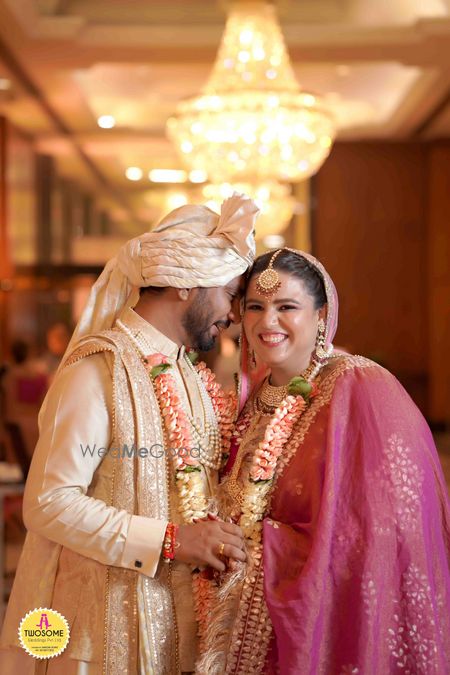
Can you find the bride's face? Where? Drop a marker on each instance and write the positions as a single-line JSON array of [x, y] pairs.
[[282, 329]]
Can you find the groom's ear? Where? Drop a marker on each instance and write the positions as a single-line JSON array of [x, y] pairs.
[[183, 293]]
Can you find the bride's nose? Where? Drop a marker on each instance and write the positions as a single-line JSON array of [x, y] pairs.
[[269, 318]]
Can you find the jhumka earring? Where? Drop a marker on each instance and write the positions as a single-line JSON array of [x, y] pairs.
[[269, 280], [321, 352]]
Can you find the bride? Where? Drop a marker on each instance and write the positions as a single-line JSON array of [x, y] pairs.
[[334, 478]]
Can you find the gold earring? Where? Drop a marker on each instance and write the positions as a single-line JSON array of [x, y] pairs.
[[321, 352]]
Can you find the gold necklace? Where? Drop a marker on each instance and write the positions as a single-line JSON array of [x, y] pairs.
[[231, 484], [270, 397]]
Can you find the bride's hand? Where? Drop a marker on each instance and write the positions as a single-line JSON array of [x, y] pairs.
[[208, 542]]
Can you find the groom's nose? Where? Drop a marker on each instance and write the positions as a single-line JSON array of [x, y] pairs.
[[234, 314]]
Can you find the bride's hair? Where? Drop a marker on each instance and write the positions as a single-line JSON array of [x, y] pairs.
[[292, 263]]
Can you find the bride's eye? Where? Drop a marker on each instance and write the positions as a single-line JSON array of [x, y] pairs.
[[252, 306], [283, 307]]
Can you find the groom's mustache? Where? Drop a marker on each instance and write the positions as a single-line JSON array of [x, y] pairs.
[[223, 324]]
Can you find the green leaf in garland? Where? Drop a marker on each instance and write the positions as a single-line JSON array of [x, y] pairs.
[[157, 370], [298, 386], [192, 356], [191, 469]]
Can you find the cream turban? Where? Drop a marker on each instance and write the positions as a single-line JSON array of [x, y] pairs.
[[191, 247]]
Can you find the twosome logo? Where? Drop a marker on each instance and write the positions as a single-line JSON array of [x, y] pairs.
[[44, 633]]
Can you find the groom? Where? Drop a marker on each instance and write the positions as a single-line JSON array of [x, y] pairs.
[[103, 524]]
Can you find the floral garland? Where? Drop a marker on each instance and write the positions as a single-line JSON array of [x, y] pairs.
[[193, 504], [224, 404], [216, 601], [264, 463], [257, 487]]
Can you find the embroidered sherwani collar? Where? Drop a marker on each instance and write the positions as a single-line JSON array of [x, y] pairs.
[[149, 339]]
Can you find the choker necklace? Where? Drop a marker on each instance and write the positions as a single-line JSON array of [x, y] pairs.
[[270, 397]]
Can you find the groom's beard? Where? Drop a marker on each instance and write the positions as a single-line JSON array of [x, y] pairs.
[[198, 321]]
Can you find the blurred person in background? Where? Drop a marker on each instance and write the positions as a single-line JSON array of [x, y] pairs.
[[24, 385], [57, 338]]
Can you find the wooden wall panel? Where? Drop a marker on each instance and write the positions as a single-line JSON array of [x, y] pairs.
[[369, 229], [439, 281], [5, 257]]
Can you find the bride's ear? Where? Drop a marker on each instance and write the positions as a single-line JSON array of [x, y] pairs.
[[323, 312]]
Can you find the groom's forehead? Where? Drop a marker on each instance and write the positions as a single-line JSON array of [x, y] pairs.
[[235, 284]]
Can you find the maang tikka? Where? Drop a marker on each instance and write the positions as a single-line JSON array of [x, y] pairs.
[[268, 281]]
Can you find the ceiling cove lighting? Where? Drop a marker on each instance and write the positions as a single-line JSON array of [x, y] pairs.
[[106, 121], [134, 173], [168, 176]]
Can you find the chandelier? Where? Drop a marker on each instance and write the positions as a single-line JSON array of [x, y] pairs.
[[253, 121]]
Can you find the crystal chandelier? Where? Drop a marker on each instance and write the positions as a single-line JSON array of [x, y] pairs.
[[252, 121]]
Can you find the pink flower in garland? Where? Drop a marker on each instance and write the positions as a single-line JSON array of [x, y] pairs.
[[155, 359], [156, 364], [277, 432]]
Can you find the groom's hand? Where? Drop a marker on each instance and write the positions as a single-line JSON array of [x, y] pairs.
[[201, 544]]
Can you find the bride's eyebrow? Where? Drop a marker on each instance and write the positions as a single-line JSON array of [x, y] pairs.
[[279, 301], [286, 300]]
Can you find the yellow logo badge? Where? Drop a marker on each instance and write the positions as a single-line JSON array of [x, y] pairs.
[[44, 633]]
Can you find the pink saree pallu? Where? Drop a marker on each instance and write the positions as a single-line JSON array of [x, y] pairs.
[[355, 552]]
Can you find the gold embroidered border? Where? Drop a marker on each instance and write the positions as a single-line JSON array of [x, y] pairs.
[[121, 618], [326, 388], [253, 629], [147, 492]]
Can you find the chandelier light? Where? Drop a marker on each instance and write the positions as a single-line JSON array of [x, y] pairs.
[[253, 121]]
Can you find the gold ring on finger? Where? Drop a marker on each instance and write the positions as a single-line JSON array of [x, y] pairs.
[[221, 548]]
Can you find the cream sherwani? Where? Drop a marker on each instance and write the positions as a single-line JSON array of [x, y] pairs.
[[62, 501]]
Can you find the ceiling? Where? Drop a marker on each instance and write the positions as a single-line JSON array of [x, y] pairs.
[[383, 67]]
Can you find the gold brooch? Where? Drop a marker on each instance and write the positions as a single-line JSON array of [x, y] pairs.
[[268, 281]]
